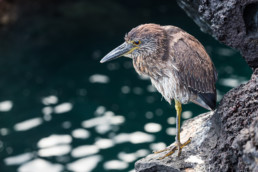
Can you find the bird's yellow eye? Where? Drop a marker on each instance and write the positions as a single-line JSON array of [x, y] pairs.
[[136, 42]]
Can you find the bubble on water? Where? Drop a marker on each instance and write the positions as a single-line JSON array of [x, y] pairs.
[[54, 140], [150, 99], [159, 112], [49, 100], [171, 120], [232, 82], [228, 69], [104, 143], [18, 159], [149, 115], [6, 106], [219, 95], [144, 77], [54, 151], [82, 92], [47, 111], [127, 157], [104, 123], [102, 129], [98, 78], [4, 131], [142, 152], [141, 137], [84, 164], [84, 150], [171, 131], [28, 124], [127, 64], [225, 51], [113, 66], [40, 165], [80, 133], [152, 127], [100, 110], [66, 124], [63, 108], [158, 146], [187, 114], [151, 88], [115, 165], [133, 170], [135, 137], [125, 89], [137, 90]]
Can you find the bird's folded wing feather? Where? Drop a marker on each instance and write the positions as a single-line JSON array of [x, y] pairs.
[[195, 68]]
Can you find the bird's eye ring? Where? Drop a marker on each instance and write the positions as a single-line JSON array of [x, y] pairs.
[[136, 42]]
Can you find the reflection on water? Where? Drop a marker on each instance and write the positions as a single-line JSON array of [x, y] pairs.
[[19, 159], [64, 111], [40, 165], [84, 164], [28, 124], [6, 106]]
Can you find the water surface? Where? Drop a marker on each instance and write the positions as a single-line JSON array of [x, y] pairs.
[[61, 110]]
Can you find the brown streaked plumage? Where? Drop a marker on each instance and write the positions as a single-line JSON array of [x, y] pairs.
[[177, 64]]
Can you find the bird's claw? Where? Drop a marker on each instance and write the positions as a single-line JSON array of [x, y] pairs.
[[178, 146]]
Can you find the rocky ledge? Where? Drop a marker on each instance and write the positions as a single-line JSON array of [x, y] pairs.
[[223, 140], [232, 22]]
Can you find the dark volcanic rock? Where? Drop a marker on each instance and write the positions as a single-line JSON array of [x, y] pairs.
[[237, 144], [233, 22], [225, 140]]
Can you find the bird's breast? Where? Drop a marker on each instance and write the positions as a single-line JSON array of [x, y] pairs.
[[148, 67]]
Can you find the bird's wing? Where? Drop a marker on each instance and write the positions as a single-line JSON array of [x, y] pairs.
[[195, 68]]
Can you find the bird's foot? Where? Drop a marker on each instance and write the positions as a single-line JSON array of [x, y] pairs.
[[177, 146]]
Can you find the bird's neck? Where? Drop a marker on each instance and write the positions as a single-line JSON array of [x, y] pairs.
[[148, 66]]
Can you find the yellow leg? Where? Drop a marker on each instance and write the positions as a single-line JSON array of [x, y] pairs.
[[178, 146], [178, 107]]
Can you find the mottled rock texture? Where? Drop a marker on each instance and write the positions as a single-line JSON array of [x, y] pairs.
[[237, 144], [233, 22], [225, 140], [194, 156]]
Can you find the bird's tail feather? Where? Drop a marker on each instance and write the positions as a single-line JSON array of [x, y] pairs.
[[209, 99]]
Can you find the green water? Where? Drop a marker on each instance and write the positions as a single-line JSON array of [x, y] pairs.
[[61, 110]]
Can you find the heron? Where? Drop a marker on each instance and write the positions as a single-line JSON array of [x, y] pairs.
[[177, 65]]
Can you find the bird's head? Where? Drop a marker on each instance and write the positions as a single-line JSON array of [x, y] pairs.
[[145, 40]]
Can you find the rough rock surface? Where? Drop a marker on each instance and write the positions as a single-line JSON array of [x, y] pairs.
[[237, 144], [233, 22], [193, 156], [225, 140]]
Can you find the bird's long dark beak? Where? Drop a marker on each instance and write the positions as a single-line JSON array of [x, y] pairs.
[[123, 49]]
